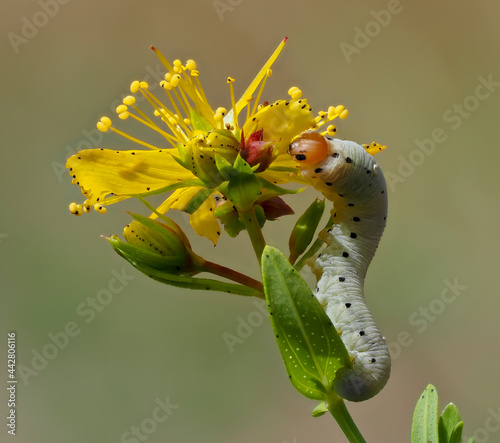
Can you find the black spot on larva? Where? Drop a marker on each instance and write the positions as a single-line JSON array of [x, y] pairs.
[[347, 305], [335, 154], [341, 195], [148, 188], [350, 204], [356, 219], [348, 160], [382, 192], [353, 235], [368, 171], [341, 278], [328, 183], [374, 360], [329, 138], [361, 333], [303, 106], [300, 157], [345, 254], [133, 153], [318, 170]]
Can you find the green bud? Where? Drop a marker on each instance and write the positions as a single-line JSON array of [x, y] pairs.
[[303, 231], [161, 246], [199, 154]]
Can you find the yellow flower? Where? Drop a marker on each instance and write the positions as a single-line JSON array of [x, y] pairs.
[[197, 143]]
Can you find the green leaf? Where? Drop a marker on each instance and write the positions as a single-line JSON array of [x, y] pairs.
[[448, 421], [425, 417], [305, 228], [199, 122], [456, 435], [309, 344], [320, 410]]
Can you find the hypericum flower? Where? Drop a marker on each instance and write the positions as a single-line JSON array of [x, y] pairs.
[[199, 144]]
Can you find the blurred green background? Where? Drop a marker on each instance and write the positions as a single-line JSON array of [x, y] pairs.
[[406, 76]]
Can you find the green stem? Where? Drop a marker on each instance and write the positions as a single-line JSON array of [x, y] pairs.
[[233, 275], [337, 408], [251, 223]]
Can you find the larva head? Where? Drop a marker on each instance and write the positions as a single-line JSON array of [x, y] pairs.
[[309, 148]]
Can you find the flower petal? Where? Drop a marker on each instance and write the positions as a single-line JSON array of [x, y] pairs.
[[204, 221], [100, 172]]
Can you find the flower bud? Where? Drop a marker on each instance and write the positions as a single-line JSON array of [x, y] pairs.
[[255, 151], [303, 231], [161, 246], [198, 154]]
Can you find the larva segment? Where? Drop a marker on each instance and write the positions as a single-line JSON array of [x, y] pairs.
[[352, 180]]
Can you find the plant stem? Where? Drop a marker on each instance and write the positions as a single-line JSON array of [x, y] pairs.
[[233, 275], [251, 223], [337, 408]]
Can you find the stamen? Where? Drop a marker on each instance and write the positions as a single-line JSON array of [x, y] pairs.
[[230, 81], [99, 208], [295, 93], [75, 209], [249, 99], [269, 72]]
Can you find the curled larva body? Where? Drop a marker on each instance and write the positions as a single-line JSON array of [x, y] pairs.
[[351, 178]]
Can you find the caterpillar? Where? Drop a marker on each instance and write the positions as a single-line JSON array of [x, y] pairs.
[[348, 175]]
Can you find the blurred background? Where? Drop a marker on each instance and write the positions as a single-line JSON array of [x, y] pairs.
[[421, 77]]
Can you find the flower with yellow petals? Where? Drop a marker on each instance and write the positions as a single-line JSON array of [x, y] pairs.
[[196, 160]]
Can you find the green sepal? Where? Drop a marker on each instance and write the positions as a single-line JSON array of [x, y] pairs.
[[225, 168], [277, 190], [448, 422], [305, 228], [172, 187], [424, 427], [243, 188], [197, 200], [202, 284], [230, 218], [309, 343], [199, 122], [320, 410]]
